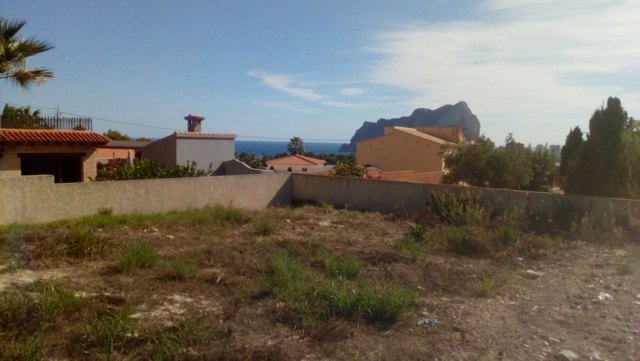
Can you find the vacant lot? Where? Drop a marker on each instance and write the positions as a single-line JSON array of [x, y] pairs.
[[316, 283]]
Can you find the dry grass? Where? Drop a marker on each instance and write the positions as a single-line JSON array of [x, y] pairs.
[[226, 284]]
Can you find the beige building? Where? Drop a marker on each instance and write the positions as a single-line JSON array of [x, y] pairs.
[[68, 155], [408, 149]]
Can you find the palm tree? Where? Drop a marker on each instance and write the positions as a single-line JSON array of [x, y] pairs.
[[14, 52], [295, 146], [21, 117]]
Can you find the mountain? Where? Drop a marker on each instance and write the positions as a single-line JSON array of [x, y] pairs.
[[446, 116]]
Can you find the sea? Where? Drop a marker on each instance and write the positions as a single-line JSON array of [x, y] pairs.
[[267, 147]]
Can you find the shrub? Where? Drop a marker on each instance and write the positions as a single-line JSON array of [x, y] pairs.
[[463, 209], [149, 169], [348, 170], [463, 241], [138, 255]]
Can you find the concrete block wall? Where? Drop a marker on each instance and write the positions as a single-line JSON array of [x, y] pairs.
[[35, 199], [389, 196]]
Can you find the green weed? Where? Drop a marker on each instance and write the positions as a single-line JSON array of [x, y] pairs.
[[136, 256], [265, 225], [463, 241], [507, 234], [21, 350], [25, 313], [108, 331], [179, 269], [416, 241]]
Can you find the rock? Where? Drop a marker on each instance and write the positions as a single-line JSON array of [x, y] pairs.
[[446, 116], [567, 355], [595, 356], [533, 274]]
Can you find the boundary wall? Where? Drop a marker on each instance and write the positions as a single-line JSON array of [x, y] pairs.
[[35, 199], [404, 197]]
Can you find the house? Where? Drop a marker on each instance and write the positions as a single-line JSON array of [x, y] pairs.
[[68, 155], [208, 150], [405, 149], [295, 163], [119, 151]]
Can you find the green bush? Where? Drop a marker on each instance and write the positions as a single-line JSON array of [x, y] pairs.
[[462, 209], [463, 241], [149, 169], [348, 170], [138, 255]]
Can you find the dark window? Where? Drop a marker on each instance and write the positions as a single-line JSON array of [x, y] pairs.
[[65, 167]]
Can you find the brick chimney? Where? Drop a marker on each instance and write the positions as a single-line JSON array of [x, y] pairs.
[[193, 122]]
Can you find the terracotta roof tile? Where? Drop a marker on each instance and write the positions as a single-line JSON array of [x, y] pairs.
[[206, 135], [51, 136], [296, 160]]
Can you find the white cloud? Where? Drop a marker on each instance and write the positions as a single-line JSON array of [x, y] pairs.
[[294, 88], [522, 67], [286, 106], [351, 91], [286, 84]]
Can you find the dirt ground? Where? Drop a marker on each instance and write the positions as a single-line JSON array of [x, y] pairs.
[[567, 294]]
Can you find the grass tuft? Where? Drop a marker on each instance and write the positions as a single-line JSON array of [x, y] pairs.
[[463, 241], [137, 256], [265, 225], [179, 269], [416, 241]]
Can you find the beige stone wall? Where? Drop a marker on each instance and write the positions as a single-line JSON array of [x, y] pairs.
[[34, 199], [397, 151], [10, 162], [390, 196]]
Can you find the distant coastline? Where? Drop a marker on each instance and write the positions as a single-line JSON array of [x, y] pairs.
[[263, 147]]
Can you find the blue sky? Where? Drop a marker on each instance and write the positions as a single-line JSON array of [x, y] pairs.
[[318, 69]]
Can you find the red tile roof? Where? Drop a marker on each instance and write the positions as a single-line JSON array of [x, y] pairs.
[[296, 160], [51, 136], [205, 135]]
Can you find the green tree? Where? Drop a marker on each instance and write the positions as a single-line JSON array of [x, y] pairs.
[[470, 163], [544, 170], [295, 146], [116, 135], [512, 166], [250, 160], [569, 153], [21, 118], [600, 168], [14, 52]]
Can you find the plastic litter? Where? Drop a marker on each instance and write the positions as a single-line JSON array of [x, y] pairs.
[[602, 296], [428, 322]]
